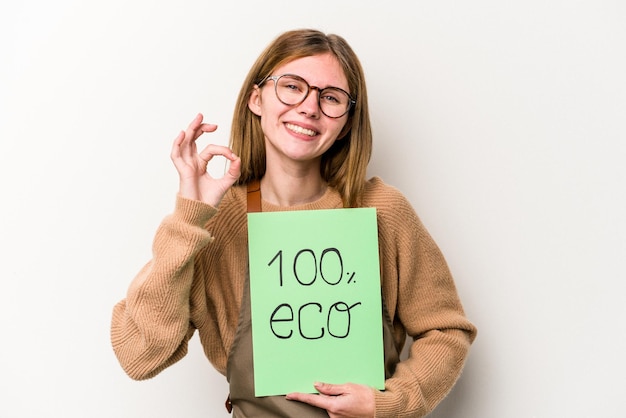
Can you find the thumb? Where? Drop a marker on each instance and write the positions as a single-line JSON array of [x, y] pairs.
[[234, 169]]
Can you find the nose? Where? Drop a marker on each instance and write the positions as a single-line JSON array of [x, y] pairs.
[[310, 105]]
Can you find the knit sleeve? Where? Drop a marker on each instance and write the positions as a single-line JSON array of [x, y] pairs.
[[151, 327], [425, 306]]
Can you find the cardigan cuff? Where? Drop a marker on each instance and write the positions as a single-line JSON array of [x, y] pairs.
[[193, 212]]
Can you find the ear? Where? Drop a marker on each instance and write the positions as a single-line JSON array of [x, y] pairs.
[[254, 101]]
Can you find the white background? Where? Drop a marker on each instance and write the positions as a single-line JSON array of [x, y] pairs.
[[502, 122]]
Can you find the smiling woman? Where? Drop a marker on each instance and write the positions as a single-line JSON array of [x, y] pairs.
[[301, 140]]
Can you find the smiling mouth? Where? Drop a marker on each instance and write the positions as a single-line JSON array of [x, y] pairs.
[[300, 130]]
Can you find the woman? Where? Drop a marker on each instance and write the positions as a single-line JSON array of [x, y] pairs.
[[301, 137]]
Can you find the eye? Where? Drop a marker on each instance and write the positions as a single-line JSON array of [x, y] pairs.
[[334, 97], [292, 85], [330, 98]]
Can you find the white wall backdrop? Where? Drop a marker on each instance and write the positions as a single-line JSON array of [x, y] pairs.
[[503, 122]]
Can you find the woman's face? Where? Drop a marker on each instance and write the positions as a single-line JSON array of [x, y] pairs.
[[299, 133]]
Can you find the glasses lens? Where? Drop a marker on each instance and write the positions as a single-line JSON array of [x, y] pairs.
[[334, 102], [291, 90]]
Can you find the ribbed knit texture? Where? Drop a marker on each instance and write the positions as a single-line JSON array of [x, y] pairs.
[[195, 281]]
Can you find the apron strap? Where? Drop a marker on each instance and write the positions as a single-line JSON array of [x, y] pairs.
[[254, 196]]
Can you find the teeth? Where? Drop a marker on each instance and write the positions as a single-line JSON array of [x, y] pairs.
[[301, 130]]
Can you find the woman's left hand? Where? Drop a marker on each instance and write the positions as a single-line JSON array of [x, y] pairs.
[[340, 401]]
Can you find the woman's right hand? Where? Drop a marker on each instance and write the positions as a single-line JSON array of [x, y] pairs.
[[195, 182]]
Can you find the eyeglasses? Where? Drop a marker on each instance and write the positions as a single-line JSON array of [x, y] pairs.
[[292, 90]]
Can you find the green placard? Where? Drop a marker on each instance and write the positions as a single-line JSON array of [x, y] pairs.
[[315, 299]]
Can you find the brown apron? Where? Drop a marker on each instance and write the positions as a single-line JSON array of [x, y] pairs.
[[240, 370]]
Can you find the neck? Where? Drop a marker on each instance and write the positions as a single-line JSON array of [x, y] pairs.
[[284, 189]]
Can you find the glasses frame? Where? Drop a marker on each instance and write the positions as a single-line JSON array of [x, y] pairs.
[[275, 78]]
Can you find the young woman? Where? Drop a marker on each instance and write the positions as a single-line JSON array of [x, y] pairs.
[[301, 138]]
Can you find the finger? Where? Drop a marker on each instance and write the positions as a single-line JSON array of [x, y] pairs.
[[179, 138], [175, 153], [195, 129], [330, 389], [192, 129], [196, 122], [203, 128], [212, 150], [183, 146], [196, 125], [311, 399]]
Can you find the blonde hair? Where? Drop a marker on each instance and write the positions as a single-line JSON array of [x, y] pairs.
[[344, 165]]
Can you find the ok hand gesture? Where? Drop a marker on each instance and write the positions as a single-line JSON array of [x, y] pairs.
[[195, 182]]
